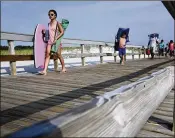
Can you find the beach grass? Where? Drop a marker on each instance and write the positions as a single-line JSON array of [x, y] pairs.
[[18, 52], [30, 51]]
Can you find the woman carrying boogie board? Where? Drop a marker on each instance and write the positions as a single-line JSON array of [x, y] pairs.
[[55, 34]]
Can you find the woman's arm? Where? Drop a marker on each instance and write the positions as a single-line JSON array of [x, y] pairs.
[[60, 28]]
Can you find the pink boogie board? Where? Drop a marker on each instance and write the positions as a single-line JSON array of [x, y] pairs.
[[39, 47]]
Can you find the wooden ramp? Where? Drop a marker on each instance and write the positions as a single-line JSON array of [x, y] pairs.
[[26, 100]]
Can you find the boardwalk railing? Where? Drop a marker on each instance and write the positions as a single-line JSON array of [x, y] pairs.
[[12, 58]]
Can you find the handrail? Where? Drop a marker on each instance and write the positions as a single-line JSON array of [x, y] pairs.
[[12, 58], [29, 38]]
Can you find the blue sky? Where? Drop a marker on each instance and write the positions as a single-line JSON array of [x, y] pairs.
[[98, 20]]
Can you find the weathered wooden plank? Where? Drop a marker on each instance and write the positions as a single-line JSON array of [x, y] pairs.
[[145, 133], [67, 86], [44, 100], [170, 96], [166, 113], [171, 100], [88, 78], [167, 102], [55, 92], [37, 106], [157, 128], [166, 118], [61, 89], [39, 96], [16, 114], [59, 99], [84, 76], [70, 79], [57, 84], [64, 86], [165, 109], [19, 101], [26, 110], [167, 105]]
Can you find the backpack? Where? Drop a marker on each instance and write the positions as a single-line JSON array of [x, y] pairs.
[[148, 52], [116, 45]]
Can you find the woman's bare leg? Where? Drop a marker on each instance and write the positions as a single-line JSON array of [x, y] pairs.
[[47, 59], [61, 59]]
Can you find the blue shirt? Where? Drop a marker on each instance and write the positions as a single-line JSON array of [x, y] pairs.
[[161, 45]]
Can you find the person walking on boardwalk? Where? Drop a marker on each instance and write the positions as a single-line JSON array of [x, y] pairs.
[[166, 49], [122, 48], [55, 32], [161, 48], [152, 45], [171, 48]]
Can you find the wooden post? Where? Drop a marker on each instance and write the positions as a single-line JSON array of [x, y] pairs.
[[133, 53], [144, 52], [55, 64], [139, 52], [115, 57], [101, 52], [82, 57], [12, 52]]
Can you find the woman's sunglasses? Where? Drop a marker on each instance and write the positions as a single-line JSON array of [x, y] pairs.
[[50, 14]]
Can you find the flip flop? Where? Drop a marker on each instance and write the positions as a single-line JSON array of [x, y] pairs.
[[42, 73]]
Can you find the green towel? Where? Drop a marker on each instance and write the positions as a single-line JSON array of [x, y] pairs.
[[64, 24]]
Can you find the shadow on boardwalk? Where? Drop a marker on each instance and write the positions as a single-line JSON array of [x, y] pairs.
[[103, 85]]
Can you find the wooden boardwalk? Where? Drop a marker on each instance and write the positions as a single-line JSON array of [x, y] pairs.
[[26, 100], [161, 122]]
